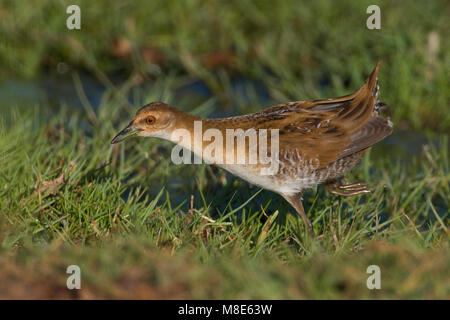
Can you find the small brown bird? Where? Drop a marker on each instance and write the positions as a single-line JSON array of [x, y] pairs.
[[316, 141]]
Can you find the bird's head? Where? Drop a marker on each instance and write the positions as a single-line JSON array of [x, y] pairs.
[[156, 119]]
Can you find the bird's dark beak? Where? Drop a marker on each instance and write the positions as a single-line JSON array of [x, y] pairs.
[[129, 131]]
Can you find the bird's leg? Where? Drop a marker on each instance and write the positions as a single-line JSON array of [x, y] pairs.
[[296, 202], [353, 185], [347, 190]]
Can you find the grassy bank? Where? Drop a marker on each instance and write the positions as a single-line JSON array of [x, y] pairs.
[[140, 226], [69, 197]]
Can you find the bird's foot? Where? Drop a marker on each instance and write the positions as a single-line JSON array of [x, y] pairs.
[[347, 190]]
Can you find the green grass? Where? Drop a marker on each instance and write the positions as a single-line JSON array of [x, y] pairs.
[[123, 213], [300, 51]]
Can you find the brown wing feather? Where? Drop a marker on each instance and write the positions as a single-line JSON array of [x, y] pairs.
[[374, 131], [323, 130], [326, 130]]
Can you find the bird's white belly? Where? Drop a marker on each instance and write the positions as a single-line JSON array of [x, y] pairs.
[[287, 185]]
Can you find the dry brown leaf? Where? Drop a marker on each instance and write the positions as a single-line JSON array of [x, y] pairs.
[[152, 55], [121, 48], [219, 59], [52, 186]]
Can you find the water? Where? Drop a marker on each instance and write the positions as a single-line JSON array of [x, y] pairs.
[[55, 90]]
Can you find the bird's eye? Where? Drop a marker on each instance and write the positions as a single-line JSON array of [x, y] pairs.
[[150, 120]]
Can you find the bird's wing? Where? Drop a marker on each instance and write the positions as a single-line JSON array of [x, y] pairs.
[[326, 130]]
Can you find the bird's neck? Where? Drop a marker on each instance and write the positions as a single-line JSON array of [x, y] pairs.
[[195, 133]]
